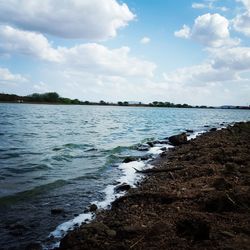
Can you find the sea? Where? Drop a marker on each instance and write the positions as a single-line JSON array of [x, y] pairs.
[[57, 160]]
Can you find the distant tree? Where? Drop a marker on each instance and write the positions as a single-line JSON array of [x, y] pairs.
[[51, 97], [65, 100], [102, 102], [120, 103], [75, 101]]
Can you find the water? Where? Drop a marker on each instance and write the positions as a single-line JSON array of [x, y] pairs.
[[65, 156]]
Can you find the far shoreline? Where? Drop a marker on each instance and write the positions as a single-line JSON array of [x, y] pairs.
[[53, 98], [115, 105]]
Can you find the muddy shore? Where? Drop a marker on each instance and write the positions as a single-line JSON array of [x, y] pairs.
[[198, 198]]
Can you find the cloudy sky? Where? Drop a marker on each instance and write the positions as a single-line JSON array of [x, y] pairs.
[[195, 52]]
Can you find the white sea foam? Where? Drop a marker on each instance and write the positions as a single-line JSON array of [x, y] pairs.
[[129, 176], [63, 228], [195, 134]]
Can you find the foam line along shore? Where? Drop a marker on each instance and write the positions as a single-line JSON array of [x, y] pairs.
[[203, 204]]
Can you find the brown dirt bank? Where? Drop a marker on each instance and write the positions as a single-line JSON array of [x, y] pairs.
[[205, 205]]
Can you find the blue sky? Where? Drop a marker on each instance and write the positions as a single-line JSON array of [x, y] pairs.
[[195, 52]]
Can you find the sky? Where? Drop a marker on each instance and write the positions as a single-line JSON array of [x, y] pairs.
[[183, 51]]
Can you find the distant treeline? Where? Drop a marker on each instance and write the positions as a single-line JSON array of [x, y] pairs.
[[54, 98]]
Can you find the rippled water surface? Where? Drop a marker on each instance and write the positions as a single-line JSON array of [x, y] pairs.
[[64, 156]]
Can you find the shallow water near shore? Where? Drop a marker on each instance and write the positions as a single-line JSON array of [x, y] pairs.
[[55, 156]]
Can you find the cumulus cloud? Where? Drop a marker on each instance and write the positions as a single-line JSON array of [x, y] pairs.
[[7, 77], [98, 58], [25, 42], [183, 33], [87, 19], [241, 22], [145, 40], [211, 30], [233, 59], [246, 3], [200, 75], [224, 65], [90, 56]]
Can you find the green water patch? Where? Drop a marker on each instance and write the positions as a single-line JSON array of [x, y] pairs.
[[28, 194], [28, 168]]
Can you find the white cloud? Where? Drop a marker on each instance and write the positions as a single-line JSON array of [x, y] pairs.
[[211, 30], [209, 4], [183, 33], [199, 6], [115, 61], [41, 87], [241, 22], [200, 75], [233, 59], [7, 77], [246, 3], [88, 19], [223, 65], [25, 42], [91, 57], [145, 40]]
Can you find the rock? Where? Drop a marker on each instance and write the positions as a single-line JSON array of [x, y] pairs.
[[129, 159], [122, 187], [221, 184], [219, 203], [213, 129], [92, 208], [136, 158], [151, 144], [230, 168], [163, 154], [227, 234], [111, 233], [189, 131], [143, 147], [145, 157], [206, 126], [177, 140], [57, 210], [161, 141], [97, 228], [193, 229]]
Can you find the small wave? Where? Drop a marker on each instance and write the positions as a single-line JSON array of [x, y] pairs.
[[9, 155], [119, 149], [77, 146], [27, 194], [91, 150], [28, 168], [6, 123], [87, 177]]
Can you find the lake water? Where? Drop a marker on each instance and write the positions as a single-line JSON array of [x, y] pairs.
[[56, 156]]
